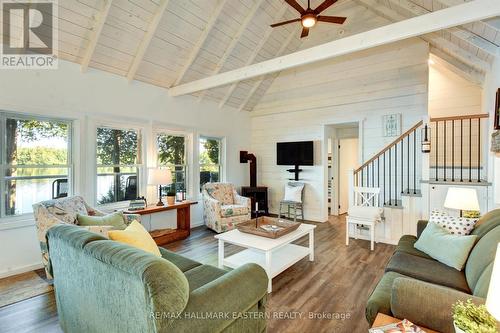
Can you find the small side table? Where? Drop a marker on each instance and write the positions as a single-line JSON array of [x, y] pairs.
[[383, 319], [165, 236]]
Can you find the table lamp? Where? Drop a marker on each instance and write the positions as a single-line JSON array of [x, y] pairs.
[[493, 298], [159, 177], [461, 199]]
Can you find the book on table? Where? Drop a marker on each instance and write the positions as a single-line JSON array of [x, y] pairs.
[[403, 326]]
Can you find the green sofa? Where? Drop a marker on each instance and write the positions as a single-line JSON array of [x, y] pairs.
[[105, 286], [422, 290]]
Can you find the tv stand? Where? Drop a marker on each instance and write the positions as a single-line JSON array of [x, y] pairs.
[[296, 171]]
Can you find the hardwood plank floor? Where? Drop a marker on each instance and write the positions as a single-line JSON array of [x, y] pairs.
[[334, 288]]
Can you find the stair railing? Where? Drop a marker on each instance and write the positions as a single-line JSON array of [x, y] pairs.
[[456, 148], [394, 169]]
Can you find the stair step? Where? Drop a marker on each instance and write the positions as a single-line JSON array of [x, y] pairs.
[[392, 204], [411, 193]]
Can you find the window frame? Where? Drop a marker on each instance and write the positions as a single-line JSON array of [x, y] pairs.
[[4, 115], [222, 157], [188, 153], [139, 166]]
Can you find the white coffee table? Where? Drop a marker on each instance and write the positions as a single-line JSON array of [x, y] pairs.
[[274, 255]]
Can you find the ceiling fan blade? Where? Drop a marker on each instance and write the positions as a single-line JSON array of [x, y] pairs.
[[324, 5], [332, 19], [296, 5], [284, 22], [305, 32]]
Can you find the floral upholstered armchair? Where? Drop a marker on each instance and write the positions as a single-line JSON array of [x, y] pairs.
[[51, 212], [223, 207]]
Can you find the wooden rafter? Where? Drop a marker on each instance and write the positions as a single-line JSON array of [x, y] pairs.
[[459, 33], [255, 52], [416, 26], [236, 38], [199, 43], [434, 39], [257, 84], [143, 47], [101, 20]]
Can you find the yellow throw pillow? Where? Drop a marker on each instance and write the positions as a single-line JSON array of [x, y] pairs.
[[135, 235]]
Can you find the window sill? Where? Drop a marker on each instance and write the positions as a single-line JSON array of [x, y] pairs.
[[14, 222]]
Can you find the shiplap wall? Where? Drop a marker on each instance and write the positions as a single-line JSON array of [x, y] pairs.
[[360, 87]]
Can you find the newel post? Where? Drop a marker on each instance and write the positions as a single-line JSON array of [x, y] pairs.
[[350, 182]]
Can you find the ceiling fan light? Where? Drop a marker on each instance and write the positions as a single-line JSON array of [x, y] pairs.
[[308, 21]]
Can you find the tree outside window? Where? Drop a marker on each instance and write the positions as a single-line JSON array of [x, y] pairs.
[[117, 164], [210, 150], [36, 162], [172, 154]]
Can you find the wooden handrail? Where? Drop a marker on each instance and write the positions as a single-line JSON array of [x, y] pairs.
[[392, 144], [470, 116]]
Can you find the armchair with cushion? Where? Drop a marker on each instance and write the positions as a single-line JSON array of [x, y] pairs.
[[65, 210], [422, 290], [223, 207]]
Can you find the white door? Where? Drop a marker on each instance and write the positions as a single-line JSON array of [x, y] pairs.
[[348, 159]]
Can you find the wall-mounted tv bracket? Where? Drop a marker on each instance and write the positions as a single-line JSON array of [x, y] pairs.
[[296, 171]]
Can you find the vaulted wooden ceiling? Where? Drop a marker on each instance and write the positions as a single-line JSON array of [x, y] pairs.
[[170, 42]]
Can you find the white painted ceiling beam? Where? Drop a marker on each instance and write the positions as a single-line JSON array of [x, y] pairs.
[[443, 59], [461, 34], [450, 3], [143, 47], [255, 52], [94, 39], [201, 40], [236, 38], [424, 24], [434, 39], [257, 84]]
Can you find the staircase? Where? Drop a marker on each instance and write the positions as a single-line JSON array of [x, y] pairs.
[[396, 169]]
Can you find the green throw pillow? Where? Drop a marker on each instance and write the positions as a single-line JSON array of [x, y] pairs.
[[451, 250], [113, 219]]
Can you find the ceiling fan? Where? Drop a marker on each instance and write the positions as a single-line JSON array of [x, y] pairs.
[[309, 17]]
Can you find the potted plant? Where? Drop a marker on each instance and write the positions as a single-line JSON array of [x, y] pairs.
[[171, 195], [471, 318]]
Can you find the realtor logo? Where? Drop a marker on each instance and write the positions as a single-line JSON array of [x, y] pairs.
[[29, 36]]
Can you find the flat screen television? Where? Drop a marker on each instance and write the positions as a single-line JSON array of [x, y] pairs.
[[295, 153]]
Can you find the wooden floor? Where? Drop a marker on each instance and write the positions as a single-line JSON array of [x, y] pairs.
[[333, 288]]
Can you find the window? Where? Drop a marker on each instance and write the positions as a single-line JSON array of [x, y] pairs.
[[35, 161], [210, 160], [172, 154], [118, 152]]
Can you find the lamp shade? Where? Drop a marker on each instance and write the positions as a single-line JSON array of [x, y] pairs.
[[461, 198], [157, 176], [493, 298]]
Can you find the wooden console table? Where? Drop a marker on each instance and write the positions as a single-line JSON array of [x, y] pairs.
[[165, 236]]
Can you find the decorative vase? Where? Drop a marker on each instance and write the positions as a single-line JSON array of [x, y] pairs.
[[171, 200], [458, 329]]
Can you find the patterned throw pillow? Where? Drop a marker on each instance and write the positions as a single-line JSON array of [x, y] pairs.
[[454, 225]]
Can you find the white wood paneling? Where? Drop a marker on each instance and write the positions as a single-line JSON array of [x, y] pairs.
[[385, 80]]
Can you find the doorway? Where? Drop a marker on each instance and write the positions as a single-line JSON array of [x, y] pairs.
[[343, 155]]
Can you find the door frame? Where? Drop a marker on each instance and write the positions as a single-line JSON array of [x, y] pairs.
[[326, 136]]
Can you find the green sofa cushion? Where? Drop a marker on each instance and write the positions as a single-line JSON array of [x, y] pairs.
[[380, 298], [114, 219], [428, 270], [451, 250], [481, 256], [406, 245], [201, 275], [183, 263], [487, 222]]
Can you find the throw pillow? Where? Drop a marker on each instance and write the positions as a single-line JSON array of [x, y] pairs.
[[114, 219], [451, 250], [293, 193], [135, 235], [454, 225]]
